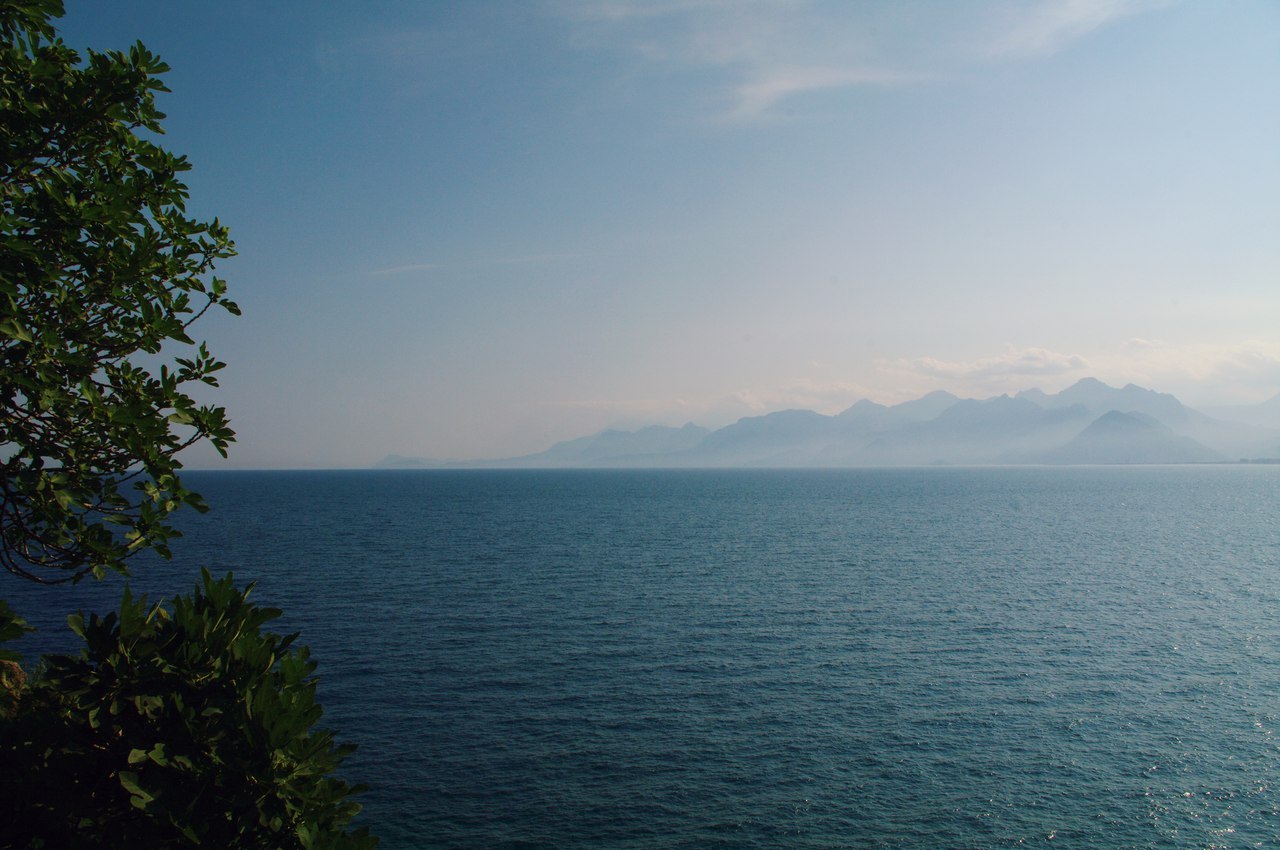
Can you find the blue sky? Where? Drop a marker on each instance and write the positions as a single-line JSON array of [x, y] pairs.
[[473, 229]]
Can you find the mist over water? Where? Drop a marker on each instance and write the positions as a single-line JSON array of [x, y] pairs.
[[1085, 657]]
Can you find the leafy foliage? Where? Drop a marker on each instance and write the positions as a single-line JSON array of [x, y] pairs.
[[11, 627], [175, 728], [101, 273], [13, 678]]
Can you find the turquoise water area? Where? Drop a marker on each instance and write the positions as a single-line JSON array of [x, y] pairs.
[[932, 658]]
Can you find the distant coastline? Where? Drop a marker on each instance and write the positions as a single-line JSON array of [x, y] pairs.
[[1088, 423]]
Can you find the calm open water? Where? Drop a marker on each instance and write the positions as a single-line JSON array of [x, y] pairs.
[[940, 658]]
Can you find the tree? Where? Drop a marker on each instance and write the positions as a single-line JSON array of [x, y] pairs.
[[101, 270], [176, 726]]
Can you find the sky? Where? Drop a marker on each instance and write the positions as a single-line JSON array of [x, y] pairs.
[[470, 230]]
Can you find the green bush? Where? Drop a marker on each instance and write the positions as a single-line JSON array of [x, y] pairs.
[[175, 727]]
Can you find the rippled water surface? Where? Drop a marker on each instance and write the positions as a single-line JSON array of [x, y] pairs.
[[942, 658]]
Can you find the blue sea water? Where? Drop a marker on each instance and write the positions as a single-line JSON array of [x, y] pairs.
[[929, 658]]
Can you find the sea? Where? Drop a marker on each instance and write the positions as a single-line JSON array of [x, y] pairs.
[[1080, 657]]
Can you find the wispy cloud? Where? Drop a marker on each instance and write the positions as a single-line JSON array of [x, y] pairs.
[[763, 52], [1011, 371], [1043, 28], [823, 396], [615, 10], [766, 52], [1019, 362], [715, 411], [754, 97], [530, 259], [519, 260], [1208, 372], [412, 267]]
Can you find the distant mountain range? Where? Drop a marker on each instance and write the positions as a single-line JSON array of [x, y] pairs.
[[1087, 423]]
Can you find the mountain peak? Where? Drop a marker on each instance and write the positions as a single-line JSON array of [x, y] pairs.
[[1124, 438], [1089, 422]]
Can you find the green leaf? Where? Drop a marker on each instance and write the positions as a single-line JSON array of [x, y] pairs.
[[11, 328], [129, 781]]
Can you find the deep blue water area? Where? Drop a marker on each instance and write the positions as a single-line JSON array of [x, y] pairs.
[[927, 658]]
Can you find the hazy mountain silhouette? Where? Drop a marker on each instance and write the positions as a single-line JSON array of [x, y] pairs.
[[920, 410], [1088, 422], [1263, 415], [785, 438], [1099, 398], [1251, 430], [1116, 437], [618, 448], [977, 432], [403, 462]]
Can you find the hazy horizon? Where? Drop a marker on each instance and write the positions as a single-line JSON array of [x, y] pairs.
[[475, 230], [858, 436]]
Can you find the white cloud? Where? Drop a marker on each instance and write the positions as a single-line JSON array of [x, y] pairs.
[[1012, 371], [776, 49], [773, 50], [803, 394], [618, 10], [755, 96], [626, 406], [412, 267], [767, 50], [1015, 362], [529, 259], [520, 260], [1046, 27], [826, 397], [1199, 373]]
